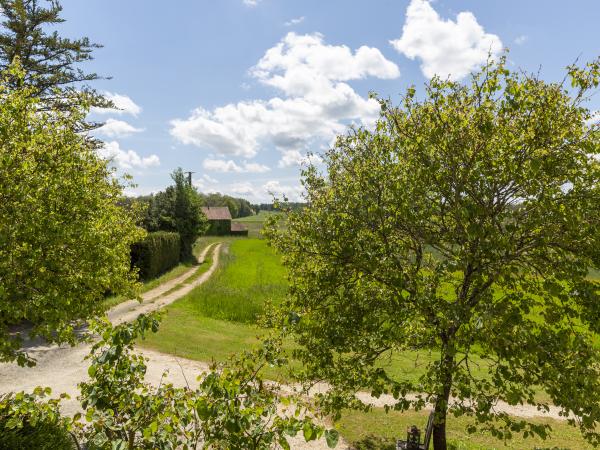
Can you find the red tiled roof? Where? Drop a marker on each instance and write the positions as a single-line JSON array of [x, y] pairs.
[[236, 226], [217, 212]]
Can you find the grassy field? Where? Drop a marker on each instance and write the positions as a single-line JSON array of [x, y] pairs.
[[378, 430], [217, 320], [255, 223]]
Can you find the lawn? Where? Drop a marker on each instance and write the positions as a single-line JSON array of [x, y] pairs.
[[378, 430]]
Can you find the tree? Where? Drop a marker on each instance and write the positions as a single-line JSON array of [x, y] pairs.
[[462, 226], [178, 208], [49, 61], [64, 239], [190, 221]]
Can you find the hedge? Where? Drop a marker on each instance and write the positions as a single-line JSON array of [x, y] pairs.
[[157, 253]]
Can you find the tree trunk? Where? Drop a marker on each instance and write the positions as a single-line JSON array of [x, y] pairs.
[[441, 403]]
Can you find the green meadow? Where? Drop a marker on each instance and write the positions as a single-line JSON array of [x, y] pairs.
[[218, 319]]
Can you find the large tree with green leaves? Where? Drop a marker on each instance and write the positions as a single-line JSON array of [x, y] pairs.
[[177, 208], [463, 226], [64, 239], [50, 62]]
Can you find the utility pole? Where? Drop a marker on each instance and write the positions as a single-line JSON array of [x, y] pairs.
[[190, 177]]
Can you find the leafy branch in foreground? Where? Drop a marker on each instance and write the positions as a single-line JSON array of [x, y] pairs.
[[231, 407], [462, 226]]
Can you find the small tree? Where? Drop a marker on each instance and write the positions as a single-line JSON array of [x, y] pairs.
[[50, 62], [464, 225], [64, 239]]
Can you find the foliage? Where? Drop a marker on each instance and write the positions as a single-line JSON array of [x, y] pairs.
[[156, 253], [29, 421], [64, 241], [48, 60], [177, 208], [230, 409], [465, 222], [238, 207]]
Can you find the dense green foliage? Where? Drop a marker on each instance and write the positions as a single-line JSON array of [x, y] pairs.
[[64, 240], [156, 253], [26, 422], [50, 62], [238, 207], [230, 409], [465, 222], [178, 209]]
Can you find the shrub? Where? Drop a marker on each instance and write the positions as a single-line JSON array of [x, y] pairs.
[[157, 253], [28, 421]]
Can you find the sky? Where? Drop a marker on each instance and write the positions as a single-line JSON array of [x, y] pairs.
[[241, 91]]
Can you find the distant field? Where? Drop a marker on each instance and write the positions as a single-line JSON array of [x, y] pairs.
[[255, 223]]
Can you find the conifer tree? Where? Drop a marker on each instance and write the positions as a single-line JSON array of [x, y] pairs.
[[50, 62]]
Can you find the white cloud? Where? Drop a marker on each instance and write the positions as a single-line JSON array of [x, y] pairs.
[[126, 159], [210, 179], [291, 158], [275, 189], [124, 104], [296, 21], [244, 188], [520, 40], [445, 48], [221, 165], [316, 105], [118, 128], [251, 2]]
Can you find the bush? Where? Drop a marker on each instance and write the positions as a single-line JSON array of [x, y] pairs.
[[157, 253], [30, 421]]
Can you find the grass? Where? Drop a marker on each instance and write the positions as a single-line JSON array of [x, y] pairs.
[[255, 223], [379, 430], [217, 318]]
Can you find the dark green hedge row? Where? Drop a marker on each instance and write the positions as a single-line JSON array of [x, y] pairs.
[[156, 254]]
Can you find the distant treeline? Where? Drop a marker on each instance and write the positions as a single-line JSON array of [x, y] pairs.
[[271, 207]]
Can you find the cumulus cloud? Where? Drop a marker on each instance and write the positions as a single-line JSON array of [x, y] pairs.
[[126, 159], [290, 158], [221, 165], [251, 2], [275, 189], [296, 21], [124, 104], [446, 48], [316, 101], [118, 128]]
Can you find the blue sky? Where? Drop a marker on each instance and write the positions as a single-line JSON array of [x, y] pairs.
[[238, 91]]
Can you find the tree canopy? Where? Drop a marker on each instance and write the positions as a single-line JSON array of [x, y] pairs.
[[50, 62], [463, 226], [177, 208], [64, 239]]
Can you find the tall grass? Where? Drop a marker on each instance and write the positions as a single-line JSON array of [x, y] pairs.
[[249, 274]]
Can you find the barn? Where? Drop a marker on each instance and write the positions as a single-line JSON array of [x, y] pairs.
[[219, 219]]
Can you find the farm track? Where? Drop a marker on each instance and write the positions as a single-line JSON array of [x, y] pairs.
[[62, 367]]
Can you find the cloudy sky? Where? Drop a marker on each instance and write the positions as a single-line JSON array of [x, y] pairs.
[[238, 91]]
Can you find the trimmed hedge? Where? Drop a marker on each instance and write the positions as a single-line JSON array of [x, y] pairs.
[[157, 253]]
